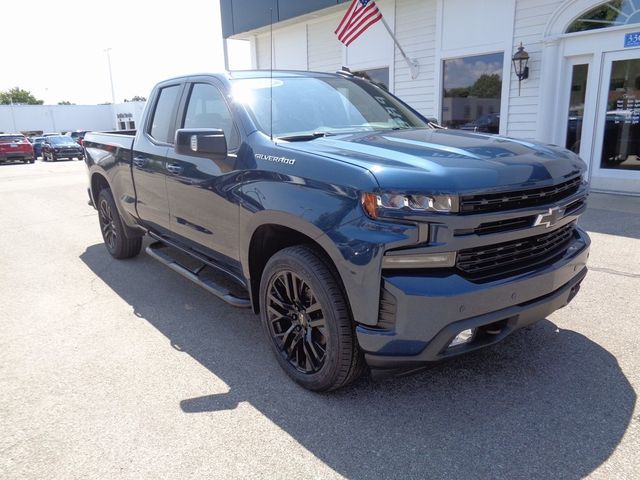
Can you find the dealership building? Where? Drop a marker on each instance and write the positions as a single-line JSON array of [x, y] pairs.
[[454, 60]]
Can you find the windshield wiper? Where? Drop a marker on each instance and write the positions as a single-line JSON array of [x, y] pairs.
[[301, 137]]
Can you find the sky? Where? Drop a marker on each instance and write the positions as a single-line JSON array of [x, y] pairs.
[[56, 50]]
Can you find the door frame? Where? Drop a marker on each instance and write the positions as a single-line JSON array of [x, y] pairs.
[[599, 46], [608, 176]]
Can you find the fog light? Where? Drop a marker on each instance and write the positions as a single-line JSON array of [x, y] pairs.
[[464, 336]]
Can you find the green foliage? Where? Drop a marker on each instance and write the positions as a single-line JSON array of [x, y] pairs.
[[457, 92], [487, 86], [65, 102], [20, 96]]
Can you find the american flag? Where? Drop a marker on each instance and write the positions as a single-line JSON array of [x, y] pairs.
[[360, 16]]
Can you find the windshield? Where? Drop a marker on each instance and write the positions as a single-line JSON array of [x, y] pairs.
[[304, 105], [12, 138], [61, 140]]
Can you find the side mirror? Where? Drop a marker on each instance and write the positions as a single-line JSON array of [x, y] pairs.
[[201, 142]]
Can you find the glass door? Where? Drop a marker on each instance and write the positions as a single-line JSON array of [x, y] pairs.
[[617, 147]]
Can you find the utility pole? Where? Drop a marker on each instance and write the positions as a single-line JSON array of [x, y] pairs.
[[113, 94]]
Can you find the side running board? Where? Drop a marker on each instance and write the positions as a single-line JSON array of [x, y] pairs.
[[155, 251]]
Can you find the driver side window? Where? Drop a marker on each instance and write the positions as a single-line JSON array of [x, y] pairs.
[[208, 109]]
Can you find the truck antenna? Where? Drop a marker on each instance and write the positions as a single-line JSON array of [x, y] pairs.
[[271, 77]]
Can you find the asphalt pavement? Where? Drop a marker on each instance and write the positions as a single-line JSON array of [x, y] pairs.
[[123, 369]]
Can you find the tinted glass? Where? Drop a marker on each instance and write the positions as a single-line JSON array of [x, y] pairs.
[[208, 109], [576, 106], [61, 140], [608, 14], [621, 142], [334, 105], [376, 75], [163, 114], [472, 92]]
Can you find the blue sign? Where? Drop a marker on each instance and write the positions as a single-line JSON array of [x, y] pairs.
[[632, 40]]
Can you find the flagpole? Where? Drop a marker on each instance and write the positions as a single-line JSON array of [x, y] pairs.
[[414, 67]]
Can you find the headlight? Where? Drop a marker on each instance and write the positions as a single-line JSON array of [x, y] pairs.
[[375, 204]]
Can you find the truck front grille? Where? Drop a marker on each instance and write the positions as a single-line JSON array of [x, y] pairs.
[[509, 257], [495, 202]]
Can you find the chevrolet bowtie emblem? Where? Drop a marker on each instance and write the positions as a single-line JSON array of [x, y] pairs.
[[549, 219]]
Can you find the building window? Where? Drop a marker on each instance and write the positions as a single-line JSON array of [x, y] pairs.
[[621, 141], [609, 14], [379, 76], [123, 126], [132, 125], [473, 85]]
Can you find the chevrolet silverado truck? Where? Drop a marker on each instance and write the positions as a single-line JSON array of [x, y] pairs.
[[364, 236]]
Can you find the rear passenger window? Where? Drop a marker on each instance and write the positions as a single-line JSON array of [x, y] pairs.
[[163, 114], [208, 109]]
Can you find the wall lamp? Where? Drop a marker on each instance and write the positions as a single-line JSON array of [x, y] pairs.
[[521, 65]]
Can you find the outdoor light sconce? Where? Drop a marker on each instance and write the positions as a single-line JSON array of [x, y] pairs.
[[521, 65]]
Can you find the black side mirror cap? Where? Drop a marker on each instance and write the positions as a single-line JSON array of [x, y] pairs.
[[201, 142]]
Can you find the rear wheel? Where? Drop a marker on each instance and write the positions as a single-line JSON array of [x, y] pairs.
[[113, 232], [305, 315]]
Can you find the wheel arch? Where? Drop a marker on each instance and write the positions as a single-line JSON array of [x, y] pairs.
[[269, 237]]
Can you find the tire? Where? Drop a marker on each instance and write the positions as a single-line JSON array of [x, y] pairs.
[[113, 232], [314, 341]]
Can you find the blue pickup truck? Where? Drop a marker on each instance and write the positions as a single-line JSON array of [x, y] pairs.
[[365, 236]]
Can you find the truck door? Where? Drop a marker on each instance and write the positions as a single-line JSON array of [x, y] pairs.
[[150, 158], [202, 209]]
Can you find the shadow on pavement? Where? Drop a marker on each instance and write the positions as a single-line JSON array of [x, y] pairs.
[[546, 403]]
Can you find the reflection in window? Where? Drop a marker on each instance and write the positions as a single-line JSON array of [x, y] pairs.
[[576, 106], [609, 14], [621, 142], [379, 76], [473, 86]]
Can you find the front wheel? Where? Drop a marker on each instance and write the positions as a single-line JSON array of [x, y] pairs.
[[305, 315], [113, 232]]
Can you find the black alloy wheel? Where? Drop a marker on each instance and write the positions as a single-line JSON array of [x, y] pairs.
[[305, 314], [297, 322], [118, 243], [107, 224]]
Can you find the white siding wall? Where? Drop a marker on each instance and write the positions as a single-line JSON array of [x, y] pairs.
[[56, 118], [325, 51], [416, 32], [263, 55], [530, 21]]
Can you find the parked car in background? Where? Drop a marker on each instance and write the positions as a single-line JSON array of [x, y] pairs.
[[78, 135], [15, 147], [489, 123], [61, 146], [37, 142], [50, 134]]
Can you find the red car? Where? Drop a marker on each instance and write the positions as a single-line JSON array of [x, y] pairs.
[[16, 147]]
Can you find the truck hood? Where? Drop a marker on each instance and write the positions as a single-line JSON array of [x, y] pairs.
[[447, 161]]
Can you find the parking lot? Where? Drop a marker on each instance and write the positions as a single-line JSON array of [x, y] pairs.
[[126, 370]]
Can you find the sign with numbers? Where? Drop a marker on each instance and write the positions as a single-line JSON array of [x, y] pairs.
[[632, 40]]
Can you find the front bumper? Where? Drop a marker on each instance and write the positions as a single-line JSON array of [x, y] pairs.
[[69, 154], [430, 310]]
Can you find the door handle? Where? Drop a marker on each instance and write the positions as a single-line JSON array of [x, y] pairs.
[[139, 161], [174, 168]]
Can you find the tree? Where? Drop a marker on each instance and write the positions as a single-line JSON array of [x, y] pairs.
[[137, 98], [18, 95], [65, 102], [487, 86]]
